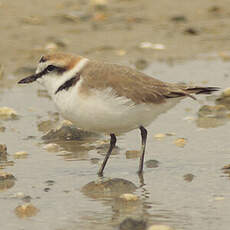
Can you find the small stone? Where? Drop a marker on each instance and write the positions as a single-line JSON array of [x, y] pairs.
[[170, 134], [226, 166], [20, 154], [7, 113], [132, 224], [50, 182], [129, 197], [26, 210], [132, 154], [226, 92], [105, 187], [67, 132], [189, 177], [160, 227], [46, 189], [52, 147], [7, 180], [6, 176], [19, 195], [152, 164], [27, 199], [180, 142], [3, 150], [219, 198], [159, 136], [149, 45], [191, 31]]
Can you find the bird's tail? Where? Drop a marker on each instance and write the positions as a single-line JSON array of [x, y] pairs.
[[188, 91], [201, 90]]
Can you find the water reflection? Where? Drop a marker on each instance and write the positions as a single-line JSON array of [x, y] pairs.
[[121, 196]]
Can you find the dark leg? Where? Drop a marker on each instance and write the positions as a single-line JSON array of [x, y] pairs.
[[113, 140], [143, 142]]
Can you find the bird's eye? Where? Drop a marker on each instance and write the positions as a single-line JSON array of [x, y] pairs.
[[50, 68]]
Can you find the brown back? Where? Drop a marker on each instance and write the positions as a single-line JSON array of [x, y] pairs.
[[128, 83]]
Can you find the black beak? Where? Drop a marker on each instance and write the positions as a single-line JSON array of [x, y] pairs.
[[28, 79], [31, 78]]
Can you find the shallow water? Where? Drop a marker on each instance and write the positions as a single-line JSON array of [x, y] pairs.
[[54, 180]]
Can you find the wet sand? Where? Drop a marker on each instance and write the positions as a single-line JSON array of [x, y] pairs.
[[187, 189]]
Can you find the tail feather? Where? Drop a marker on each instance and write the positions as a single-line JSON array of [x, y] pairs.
[[202, 90]]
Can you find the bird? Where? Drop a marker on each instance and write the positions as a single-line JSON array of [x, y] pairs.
[[108, 98]]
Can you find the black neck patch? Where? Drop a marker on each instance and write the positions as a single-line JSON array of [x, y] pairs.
[[69, 83]]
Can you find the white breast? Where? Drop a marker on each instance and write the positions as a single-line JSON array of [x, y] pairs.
[[103, 111]]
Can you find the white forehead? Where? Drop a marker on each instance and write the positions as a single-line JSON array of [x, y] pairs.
[[42, 65]]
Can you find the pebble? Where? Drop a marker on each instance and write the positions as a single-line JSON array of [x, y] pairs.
[[105, 187], [6, 176], [191, 31], [226, 92], [149, 45], [128, 197], [3, 150], [159, 136], [160, 227], [52, 147], [180, 142], [226, 166], [26, 210], [189, 177], [152, 164], [219, 198], [7, 180], [7, 113], [217, 111], [19, 195], [20, 154], [67, 133]]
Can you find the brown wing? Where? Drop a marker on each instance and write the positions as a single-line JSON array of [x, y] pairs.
[[129, 83]]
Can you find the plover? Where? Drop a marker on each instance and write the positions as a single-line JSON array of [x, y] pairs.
[[107, 98]]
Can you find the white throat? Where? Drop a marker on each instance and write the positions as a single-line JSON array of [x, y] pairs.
[[54, 81]]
